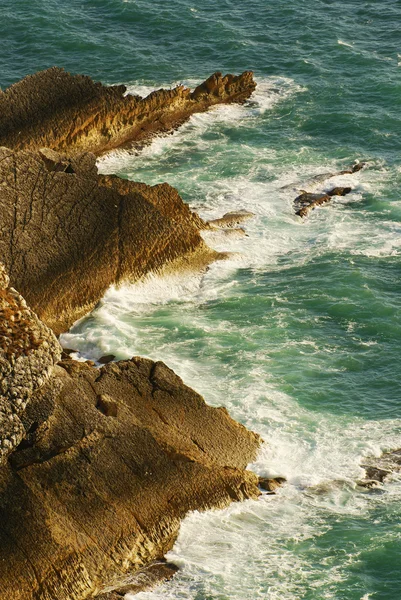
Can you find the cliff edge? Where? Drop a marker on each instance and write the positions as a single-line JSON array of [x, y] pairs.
[[102, 465]]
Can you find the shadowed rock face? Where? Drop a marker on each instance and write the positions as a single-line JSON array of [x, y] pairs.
[[73, 113], [67, 234], [28, 351], [102, 495]]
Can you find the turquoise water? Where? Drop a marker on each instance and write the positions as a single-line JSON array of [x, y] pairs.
[[298, 332]]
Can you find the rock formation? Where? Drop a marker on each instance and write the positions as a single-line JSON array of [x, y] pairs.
[[306, 202], [231, 219], [68, 113], [112, 461], [378, 469], [97, 466], [67, 234]]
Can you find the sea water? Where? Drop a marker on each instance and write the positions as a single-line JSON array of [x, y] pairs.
[[298, 332]]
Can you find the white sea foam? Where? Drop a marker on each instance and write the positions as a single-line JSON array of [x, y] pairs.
[[269, 92], [341, 43]]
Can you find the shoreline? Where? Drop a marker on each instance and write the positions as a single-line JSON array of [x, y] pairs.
[[63, 463]]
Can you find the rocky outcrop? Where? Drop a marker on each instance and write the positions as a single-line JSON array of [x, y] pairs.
[[378, 469], [306, 202], [231, 220], [28, 351], [97, 467], [67, 112], [111, 462], [67, 234]]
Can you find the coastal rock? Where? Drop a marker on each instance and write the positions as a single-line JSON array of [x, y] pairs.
[[103, 360], [67, 234], [378, 469], [355, 168], [271, 484], [306, 202], [100, 496], [65, 112], [28, 351], [144, 579], [231, 219]]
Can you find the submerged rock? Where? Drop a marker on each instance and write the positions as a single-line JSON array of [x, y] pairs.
[[358, 166], [378, 469], [145, 579], [67, 112]]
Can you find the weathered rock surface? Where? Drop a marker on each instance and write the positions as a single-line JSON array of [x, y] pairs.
[[67, 112], [103, 494], [28, 351], [97, 467], [67, 234]]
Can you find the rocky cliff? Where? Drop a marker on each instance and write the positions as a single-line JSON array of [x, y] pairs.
[[110, 462], [73, 113], [67, 234], [97, 467]]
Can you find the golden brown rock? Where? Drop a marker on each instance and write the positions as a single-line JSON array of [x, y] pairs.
[[100, 496], [67, 234], [67, 112]]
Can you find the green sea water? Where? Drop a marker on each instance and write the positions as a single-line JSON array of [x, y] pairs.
[[298, 333]]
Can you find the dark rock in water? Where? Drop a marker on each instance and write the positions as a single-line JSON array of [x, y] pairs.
[[103, 360], [70, 236], [339, 191], [145, 579], [306, 202], [368, 483], [271, 484], [69, 351], [65, 112], [376, 474]]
